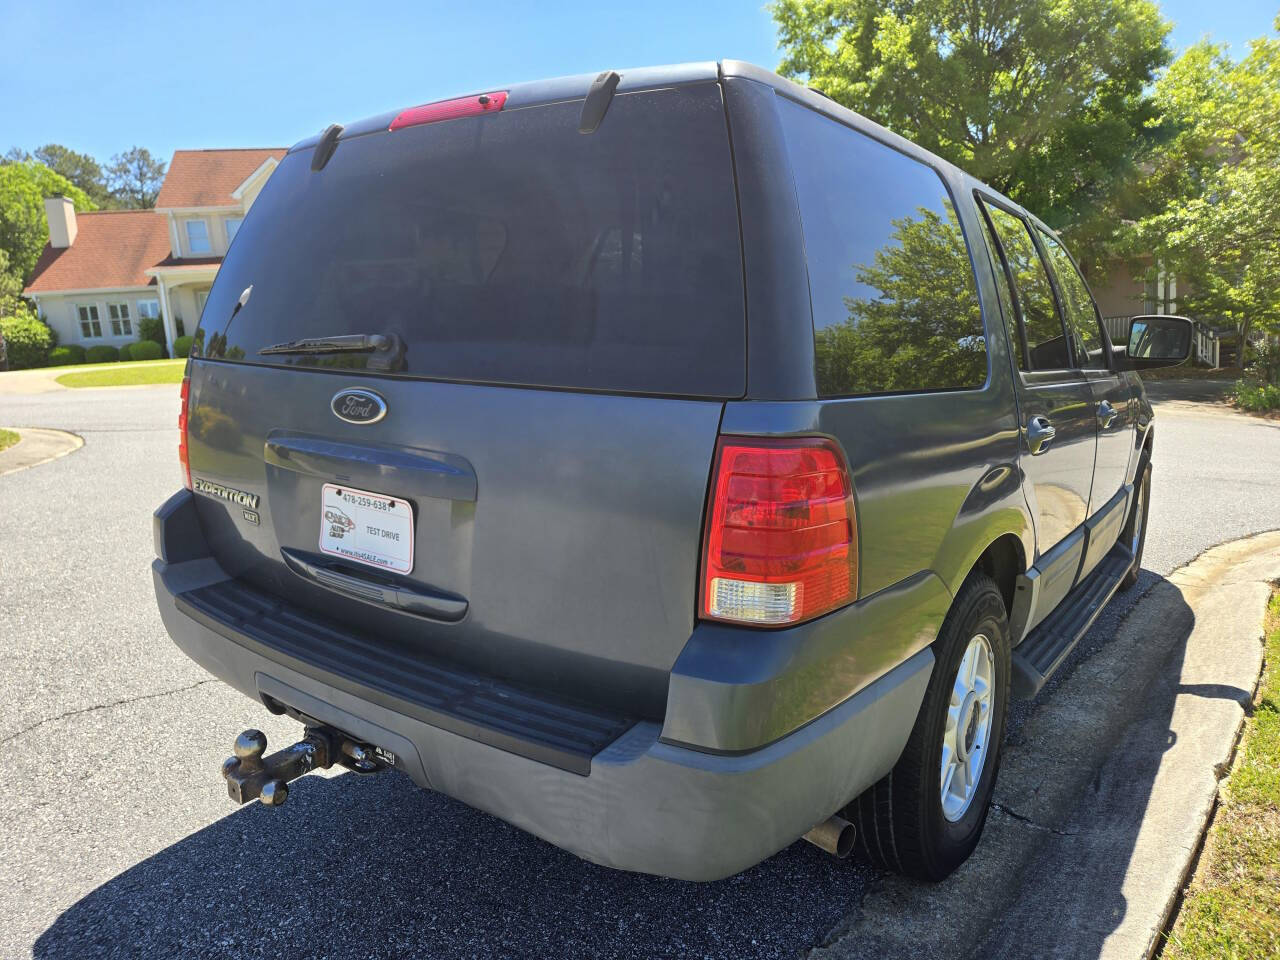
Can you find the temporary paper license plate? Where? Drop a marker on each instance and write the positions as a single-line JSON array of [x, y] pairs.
[[366, 527]]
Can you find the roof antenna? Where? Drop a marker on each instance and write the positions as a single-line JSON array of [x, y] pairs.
[[598, 99], [328, 143]]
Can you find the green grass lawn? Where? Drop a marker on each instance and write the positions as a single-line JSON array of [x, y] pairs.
[[8, 438], [1232, 908], [125, 374]]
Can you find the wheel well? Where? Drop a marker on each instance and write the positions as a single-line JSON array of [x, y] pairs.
[[1002, 561]]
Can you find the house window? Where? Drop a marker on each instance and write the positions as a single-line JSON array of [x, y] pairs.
[[201, 297], [121, 326], [148, 308], [232, 225], [198, 236], [90, 325]]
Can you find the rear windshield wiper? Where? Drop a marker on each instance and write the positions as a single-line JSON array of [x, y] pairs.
[[350, 343], [388, 351]]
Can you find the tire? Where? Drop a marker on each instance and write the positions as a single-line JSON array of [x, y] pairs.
[[1138, 515], [901, 822]]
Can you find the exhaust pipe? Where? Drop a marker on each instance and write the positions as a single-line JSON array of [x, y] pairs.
[[834, 835]]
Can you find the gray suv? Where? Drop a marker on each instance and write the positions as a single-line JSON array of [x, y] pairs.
[[672, 463]]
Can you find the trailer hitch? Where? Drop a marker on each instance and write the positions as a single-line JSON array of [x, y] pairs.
[[251, 776]]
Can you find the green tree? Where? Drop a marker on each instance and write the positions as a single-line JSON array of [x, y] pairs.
[[1046, 100], [920, 323], [80, 168], [1215, 185], [135, 177], [23, 227], [10, 288]]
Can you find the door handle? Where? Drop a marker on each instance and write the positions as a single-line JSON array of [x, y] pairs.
[[437, 606], [1039, 432], [1106, 413]]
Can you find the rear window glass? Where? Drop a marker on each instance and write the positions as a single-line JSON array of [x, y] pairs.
[[895, 302], [506, 248]]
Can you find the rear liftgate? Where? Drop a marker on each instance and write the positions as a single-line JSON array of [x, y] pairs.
[[250, 775]]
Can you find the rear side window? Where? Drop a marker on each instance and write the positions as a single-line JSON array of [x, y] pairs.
[[895, 303], [507, 248], [1046, 340], [1082, 316]]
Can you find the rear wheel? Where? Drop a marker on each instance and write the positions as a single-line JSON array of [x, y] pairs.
[[1134, 535], [926, 816]]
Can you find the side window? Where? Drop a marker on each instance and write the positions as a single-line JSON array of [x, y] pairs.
[[1016, 345], [895, 302], [1042, 326], [1082, 316]]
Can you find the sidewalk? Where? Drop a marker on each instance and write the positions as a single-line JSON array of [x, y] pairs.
[[1103, 800], [37, 446], [44, 379]]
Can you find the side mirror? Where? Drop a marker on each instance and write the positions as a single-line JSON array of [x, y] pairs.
[[1158, 341]]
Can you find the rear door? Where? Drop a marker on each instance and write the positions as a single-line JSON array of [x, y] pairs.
[[559, 320], [1111, 393], [1055, 402]]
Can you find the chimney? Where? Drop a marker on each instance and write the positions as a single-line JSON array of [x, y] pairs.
[[62, 221]]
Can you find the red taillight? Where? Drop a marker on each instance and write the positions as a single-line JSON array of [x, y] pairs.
[[450, 109], [781, 542], [182, 434]]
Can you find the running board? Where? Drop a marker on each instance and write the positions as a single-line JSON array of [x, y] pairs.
[[1038, 656]]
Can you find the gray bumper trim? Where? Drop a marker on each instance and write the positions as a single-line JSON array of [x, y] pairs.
[[646, 806]]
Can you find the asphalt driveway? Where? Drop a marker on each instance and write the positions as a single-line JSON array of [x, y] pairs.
[[118, 839]]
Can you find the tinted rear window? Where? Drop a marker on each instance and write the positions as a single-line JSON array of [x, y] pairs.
[[895, 302], [507, 248]]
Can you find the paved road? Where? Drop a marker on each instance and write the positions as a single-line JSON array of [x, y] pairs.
[[119, 841]]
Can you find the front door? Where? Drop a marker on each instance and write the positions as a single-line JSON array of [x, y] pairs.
[[1055, 403]]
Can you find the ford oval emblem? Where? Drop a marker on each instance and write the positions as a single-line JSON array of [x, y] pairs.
[[355, 405]]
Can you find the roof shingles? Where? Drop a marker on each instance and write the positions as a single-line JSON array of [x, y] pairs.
[[112, 248], [115, 248], [206, 178]]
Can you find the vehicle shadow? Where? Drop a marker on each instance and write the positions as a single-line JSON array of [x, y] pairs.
[[376, 867], [1098, 760]]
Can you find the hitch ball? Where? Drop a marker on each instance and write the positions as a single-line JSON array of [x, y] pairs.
[[248, 749], [251, 776]]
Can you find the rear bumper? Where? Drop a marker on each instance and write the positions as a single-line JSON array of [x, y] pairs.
[[644, 804]]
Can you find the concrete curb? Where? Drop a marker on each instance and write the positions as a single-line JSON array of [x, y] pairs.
[[37, 446], [1105, 797]]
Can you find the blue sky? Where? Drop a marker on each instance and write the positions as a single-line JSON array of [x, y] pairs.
[[227, 74]]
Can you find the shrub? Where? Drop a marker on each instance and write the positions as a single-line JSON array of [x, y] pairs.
[[28, 340], [151, 328], [1258, 398], [126, 351], [145, 350], [101, 354], [182, 346], [1264, 365], [66, 356]]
